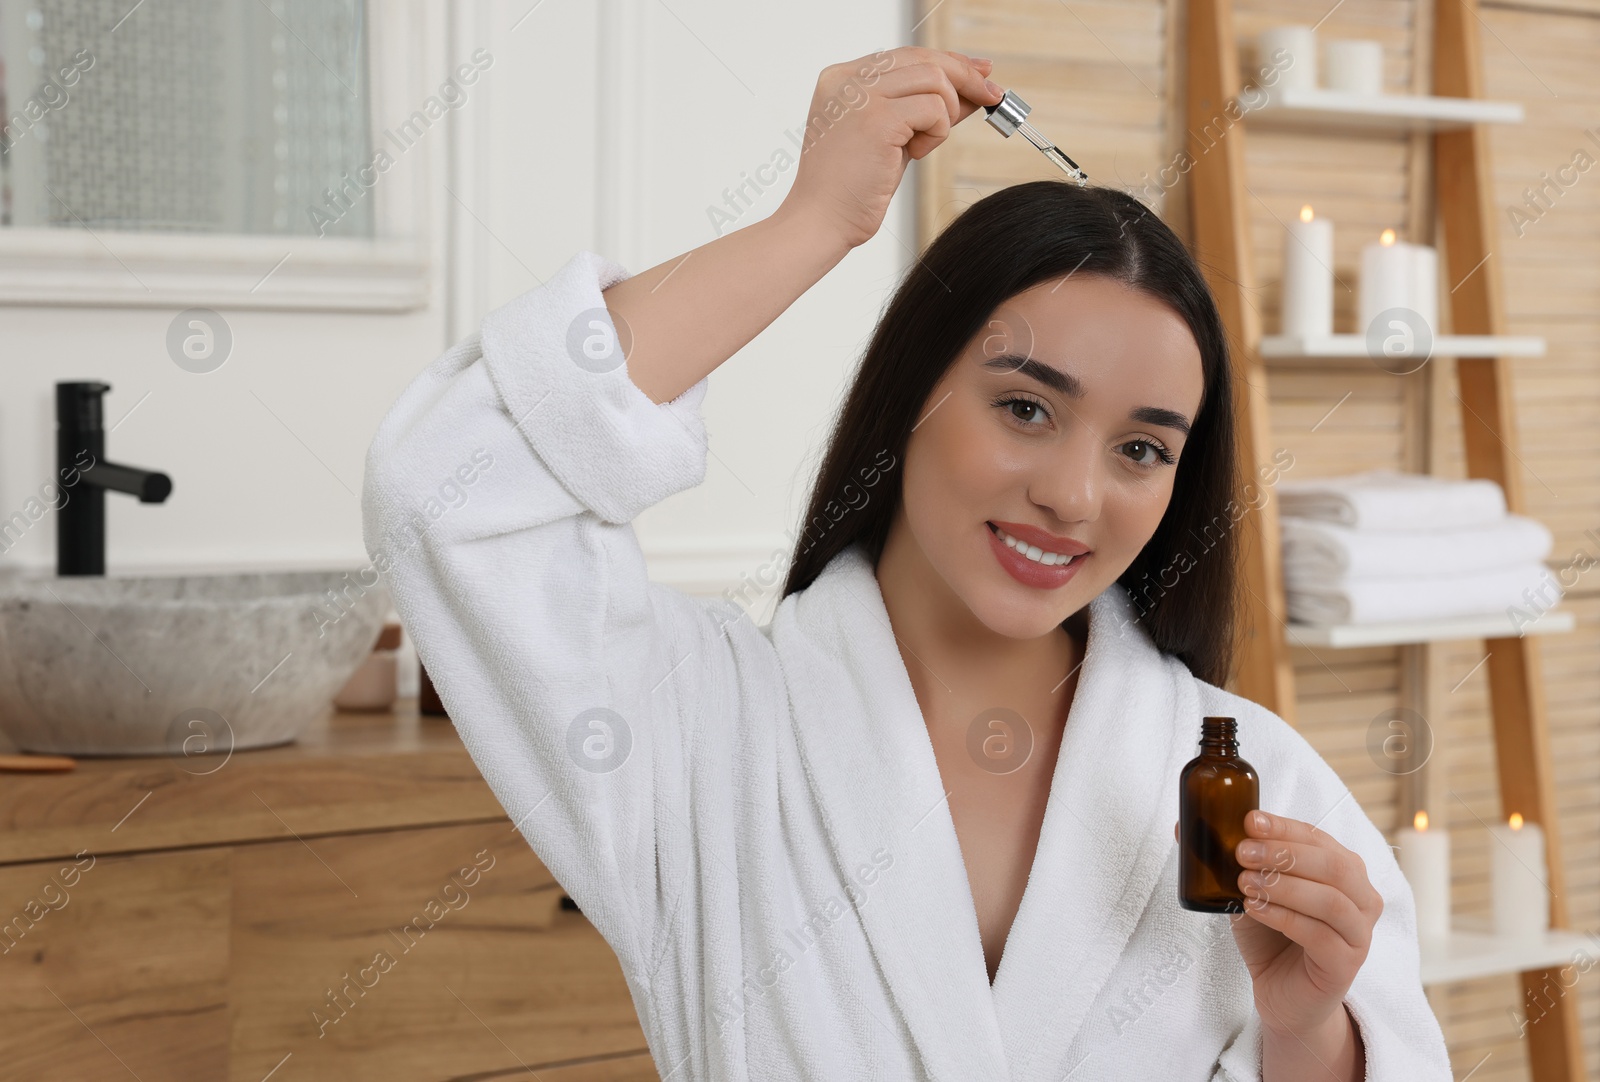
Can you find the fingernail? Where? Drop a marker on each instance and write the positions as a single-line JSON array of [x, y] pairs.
[[980, 60], [1252, 850], [1261, 820], [989, 83]]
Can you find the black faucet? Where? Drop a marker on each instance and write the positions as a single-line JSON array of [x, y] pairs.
[[80, 450]]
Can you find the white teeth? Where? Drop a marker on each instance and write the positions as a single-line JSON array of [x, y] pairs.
[[1032, 552]]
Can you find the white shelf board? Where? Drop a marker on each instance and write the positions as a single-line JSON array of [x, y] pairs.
[[1488, 626], [1445, 345], [1469, 953], [1316, 107]]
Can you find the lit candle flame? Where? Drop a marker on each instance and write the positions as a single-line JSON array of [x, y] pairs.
[[1421, 820], [1516, 820], [1386, 237], [1305, 213]]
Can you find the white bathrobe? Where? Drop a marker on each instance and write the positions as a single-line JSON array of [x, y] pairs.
[[753, 817]]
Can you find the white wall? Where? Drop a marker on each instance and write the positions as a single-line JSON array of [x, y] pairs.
[[606, 126], [613, 127]]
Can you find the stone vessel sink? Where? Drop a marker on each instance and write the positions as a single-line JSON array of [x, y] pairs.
[[180, 665]]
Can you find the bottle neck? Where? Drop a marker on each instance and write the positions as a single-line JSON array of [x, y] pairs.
[[1219, 737]]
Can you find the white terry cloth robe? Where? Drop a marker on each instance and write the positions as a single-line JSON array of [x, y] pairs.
[[753, 818]]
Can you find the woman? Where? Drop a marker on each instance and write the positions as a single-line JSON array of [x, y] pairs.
[[921, 826]]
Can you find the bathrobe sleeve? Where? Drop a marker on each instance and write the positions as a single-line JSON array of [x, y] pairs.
[[499, 493], [1401, 1036]]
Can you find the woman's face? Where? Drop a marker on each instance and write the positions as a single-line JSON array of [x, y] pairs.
[[1056, 422]]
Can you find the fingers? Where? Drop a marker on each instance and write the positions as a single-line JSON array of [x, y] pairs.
[[962, 73], [982, 63], [1258, 824], [1306, 861], [915, 79], [960, 99], [1279, 844], [1300, 881], [908, 81], [1332, 962], [922, 122], [1324, 904], [1334, 959]]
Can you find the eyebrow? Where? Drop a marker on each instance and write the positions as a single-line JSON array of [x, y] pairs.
[[1066, 383]]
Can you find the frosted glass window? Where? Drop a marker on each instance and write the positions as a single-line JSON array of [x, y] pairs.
[[212, 116]]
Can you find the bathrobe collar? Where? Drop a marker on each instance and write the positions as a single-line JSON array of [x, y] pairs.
[[1105, 838]]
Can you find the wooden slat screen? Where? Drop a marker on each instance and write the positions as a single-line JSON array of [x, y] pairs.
[[1104, 81]]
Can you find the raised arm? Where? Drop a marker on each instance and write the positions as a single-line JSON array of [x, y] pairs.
[[500, 492], [868, 118]]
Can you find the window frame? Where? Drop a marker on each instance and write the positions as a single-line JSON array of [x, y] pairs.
[[389, 272]]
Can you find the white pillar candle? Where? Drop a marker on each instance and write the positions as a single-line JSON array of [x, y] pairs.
[[1395, 274], [1308, 276], [1425, 861], [1299, 43], [1353, 66], [1517, 870], [1425, 284], [1385, 278]]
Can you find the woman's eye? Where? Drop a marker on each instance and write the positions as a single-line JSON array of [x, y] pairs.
[[1025, 411], [1157, 454]]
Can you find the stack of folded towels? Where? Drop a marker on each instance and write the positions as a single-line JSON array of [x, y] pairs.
[[1383, 546]]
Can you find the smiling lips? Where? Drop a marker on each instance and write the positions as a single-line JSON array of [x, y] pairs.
[[1034, 557], [1037, 545]]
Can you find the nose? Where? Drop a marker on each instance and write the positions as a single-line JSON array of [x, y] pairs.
[[1068, 482]]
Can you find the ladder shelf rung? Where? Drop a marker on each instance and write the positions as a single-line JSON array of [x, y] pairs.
[[1319, 108], [1406, 632]]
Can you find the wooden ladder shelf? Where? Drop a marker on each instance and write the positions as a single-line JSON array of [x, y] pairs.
[[1463, 199]]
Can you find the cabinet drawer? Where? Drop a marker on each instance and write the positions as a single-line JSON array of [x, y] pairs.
[[417, 954], [110, 959]]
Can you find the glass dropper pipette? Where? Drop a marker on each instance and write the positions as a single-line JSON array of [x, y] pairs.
[[1010, 114]]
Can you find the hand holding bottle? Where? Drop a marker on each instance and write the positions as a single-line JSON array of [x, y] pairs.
[[1304, 934], [1313, 910]]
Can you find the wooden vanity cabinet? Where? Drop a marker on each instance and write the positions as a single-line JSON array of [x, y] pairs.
[[352, 906]]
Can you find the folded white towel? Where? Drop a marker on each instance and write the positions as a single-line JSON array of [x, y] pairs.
[[1392, 500], [1420, 597], [1316, 552]]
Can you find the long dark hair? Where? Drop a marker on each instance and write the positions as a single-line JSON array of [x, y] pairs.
[[1184, 582]]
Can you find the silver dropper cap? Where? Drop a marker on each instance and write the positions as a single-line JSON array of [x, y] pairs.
[[1008, 114]]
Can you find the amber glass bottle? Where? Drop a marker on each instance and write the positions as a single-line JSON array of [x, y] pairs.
[[1215, 792]]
